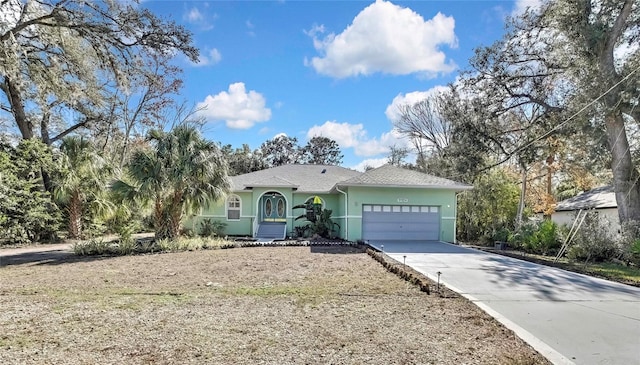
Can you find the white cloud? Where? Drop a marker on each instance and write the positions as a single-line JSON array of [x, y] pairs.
[[521, 6], [385, 38], [355, 136], [264, 130], [193, 15], [203, 20], [411, 98], [212, 57], [347, 135], [376, 146], [237, 107], [250, 27], [372, 162]]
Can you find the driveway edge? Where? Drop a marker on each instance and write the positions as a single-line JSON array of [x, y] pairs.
[[543, 348]]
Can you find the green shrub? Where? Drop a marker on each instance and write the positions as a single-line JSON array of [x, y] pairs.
[[634, 252], [188, 233], [27, 213], [593, 241], [545, 239], [521, 237], [126, 246], [211, 228], [96, 247], [630, 242], [502, 235], [491, 206], [539, 238], [93, 247]]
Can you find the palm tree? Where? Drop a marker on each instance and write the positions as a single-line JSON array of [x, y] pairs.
[[179, 173], [81, 181]]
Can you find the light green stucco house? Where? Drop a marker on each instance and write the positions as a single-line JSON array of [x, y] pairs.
[[383, 204]]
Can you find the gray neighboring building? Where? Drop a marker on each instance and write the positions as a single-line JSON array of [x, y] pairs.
[[602, 200]]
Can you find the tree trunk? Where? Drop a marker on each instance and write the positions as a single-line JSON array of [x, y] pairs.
[[175, 215], [157, 220], [170, 224], [44, 132], [75, 216], [174, 225], [549, 200], [625, 174], [523, 194], [17, 108]]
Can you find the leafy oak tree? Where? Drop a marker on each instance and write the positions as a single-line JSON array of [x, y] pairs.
[[570, 69], [598, 40], [66, 57], [242, 160], [321, 150], [281, 150]]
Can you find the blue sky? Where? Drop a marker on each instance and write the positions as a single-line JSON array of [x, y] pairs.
[[331, 68]]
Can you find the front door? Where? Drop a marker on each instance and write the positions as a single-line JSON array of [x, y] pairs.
[[274, 208]]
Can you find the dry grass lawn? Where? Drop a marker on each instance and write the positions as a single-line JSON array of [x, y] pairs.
[[278, 305]]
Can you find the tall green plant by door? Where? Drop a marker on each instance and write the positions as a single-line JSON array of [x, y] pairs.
[[319, 219]]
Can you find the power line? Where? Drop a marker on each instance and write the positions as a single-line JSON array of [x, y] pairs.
[[578, 112], [561, 124]]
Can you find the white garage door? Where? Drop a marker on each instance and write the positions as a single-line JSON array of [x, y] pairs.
[[400, 222]]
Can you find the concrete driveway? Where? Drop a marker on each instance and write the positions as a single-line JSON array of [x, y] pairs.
[[567, 317]]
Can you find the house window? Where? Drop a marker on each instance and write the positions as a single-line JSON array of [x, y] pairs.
[[268, 208], [280, 208], [233, 208]]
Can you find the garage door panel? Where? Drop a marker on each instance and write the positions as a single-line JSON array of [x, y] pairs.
[[400, 223]]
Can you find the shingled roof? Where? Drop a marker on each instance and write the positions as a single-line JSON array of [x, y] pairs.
[[392, 176], [324, 178], [304, 178], [599, 198]]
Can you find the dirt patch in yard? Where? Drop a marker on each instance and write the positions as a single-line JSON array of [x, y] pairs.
[[263, 305]]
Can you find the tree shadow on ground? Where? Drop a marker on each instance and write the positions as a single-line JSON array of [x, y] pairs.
[[56, 257], [337, 249], [395, 247], [551, 283]]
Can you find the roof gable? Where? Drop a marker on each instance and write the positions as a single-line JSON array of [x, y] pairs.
[[323, 178], [303, 178], [393, 176], [599, 198]]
